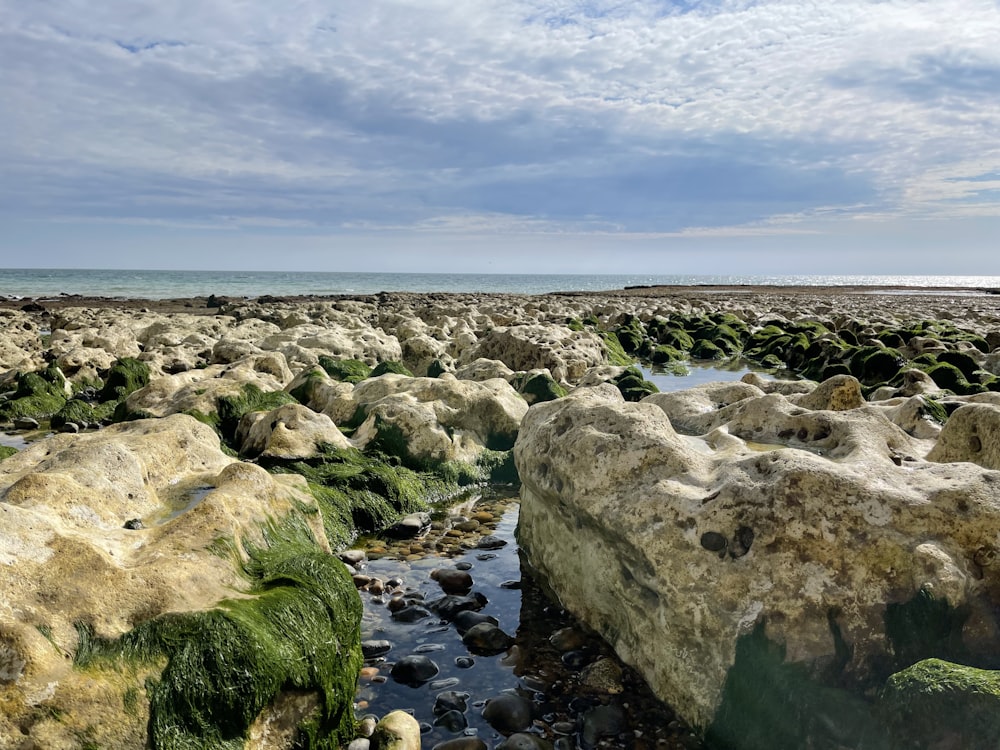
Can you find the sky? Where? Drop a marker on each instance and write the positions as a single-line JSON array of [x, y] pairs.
[[517, 136]]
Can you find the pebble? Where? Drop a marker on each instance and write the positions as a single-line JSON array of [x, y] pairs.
[[410, 526], [353, 557], [713, 541], [134, 524], [462, 743], [453, 721], [567, 639], [410, 614], [508, 713], [603, 676], [465, 620], [602, 721], [487, 639], [414, 669], [450, 700], [361, 743], [452, 581], [366, 726], [491, 542], [523, 741], [464, 662], [450, 605]]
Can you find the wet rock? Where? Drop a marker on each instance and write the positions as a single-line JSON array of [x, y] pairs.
[[713, 541], [486, 639], [414, 670], [70, 427], [410, 613], [366, 726], [410, 527], [25, 423], [567, 639], [453, 721], [464, 662], [133, 524], [374, 649], [603, 676], [353, 557], [491, 542], [462, 743], [396, 731], [524, 741], [453, 581], [600, 722], [508, 713], [465, 620], [448, 607], [450, 700]]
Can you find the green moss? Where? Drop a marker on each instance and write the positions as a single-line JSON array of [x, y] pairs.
[[632, 336], [936, 703], [304, 391], [37, 395], [705, 349], [232, 408], [436, 369], [934, 410], [665, 354], [613, 350], [126, 376], [538, 387], [966, 364], [873, 365], [76, 411], [633, 386], [678, 338], [574, 324], [299, 630], [395, 368], [6, 451], [347, 370], [770, 704], [950, 377]]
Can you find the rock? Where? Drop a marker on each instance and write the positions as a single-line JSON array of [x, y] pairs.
[[25, 423], [375, 648], [289, 432], [972, 433], [450, 700], [491, 542], [396, 731], [603, 676], [565, 353], [600, 722], [524, 741], [453, 721], [508, 713], [462, 743], [414, 670], [817, 543], [839, 393], [466, 619], [452, 581], [486, 639], [410, 526]]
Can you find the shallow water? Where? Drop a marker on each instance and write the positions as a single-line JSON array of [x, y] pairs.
[[552, 678], [700, 372]]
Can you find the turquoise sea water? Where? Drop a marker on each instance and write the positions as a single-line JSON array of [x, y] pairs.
[[146, 284]]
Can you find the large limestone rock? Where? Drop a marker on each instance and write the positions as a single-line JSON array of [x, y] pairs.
[[69, 566], [565, 353], [678, 552], [291, 431], [439, 419]]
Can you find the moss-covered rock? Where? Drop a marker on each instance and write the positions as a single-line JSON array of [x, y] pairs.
[[951, 378], [666, 354], [875, 365], [37, 395], [705, 349], [75, 410], [633, 386], [632, 336], [223, 666], [936, 703], [232, 408], [966, 364], [346, 370], [613, 350], [538, 387], [675, 337], [126, 376], [396, 368]]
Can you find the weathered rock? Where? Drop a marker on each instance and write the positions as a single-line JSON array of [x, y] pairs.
[[972, 433], [487, 639], [396, 731], [291, 431], [508, 713], [810, 539], [563, 352]]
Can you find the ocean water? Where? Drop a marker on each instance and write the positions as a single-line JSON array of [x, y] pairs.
[[146, 284]]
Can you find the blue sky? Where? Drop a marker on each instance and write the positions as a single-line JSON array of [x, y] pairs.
[[520, 136]]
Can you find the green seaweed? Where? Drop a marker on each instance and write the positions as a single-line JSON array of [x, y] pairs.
[[347, 370], [232, 408], [936, 703], [613, 350], [126, 376], [298, 630], [6, 451], [387, 367], [37, 395], [75, 410], [924, 627], [538, 387], [633, 386]]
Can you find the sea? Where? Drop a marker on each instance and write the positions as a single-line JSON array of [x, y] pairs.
[[159, 284]]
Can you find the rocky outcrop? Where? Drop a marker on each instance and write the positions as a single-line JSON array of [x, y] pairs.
[[686, 551], [114, 570], [565, 353]]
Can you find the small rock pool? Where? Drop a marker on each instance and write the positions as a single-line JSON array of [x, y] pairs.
[[548, 681]]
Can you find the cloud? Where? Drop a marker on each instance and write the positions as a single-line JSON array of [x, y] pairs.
[[556, 115]]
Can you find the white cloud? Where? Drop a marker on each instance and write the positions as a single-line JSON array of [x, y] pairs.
[[427, 114]]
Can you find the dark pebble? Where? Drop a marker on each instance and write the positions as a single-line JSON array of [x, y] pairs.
[[741, 541], [462, 743], [486, 556], [508, 713], [450, 700], [465, 620], [375, 649], [414, 670], [491, 542], [575, 659], [70, 427], [464, 662], [486, 639], [713, 541], [410, 614], [410, 526], [463, 566], [453, 721], [522, 741], [567, 639], [511, 585], [600, 722], [25, 423], [134, 524], [452, 581], [448, 607]]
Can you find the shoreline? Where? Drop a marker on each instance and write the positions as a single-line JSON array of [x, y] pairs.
[[205, 304]]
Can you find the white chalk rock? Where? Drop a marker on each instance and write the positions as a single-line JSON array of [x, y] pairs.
[[565, 353], [291, 431]]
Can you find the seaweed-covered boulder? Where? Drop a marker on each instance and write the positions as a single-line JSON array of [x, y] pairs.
[[438, 419], [732, 575], [145, 629], [291, 431]]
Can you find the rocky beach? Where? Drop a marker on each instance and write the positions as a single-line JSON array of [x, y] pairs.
[[196, 497]]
